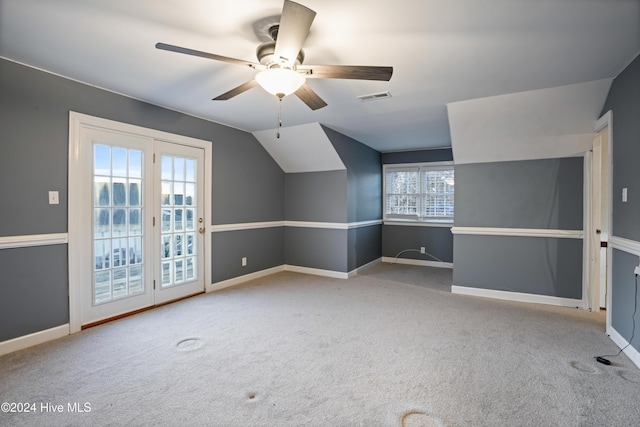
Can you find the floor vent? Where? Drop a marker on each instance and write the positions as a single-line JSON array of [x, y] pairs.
[[374, 96]]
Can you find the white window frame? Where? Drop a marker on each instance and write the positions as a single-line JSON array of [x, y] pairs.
[[420, 167]]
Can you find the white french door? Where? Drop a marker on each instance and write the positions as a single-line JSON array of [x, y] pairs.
[[179, 221], [118, 223], [140, 223]]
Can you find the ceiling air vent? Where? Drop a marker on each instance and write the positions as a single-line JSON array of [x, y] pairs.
[[374, 96]]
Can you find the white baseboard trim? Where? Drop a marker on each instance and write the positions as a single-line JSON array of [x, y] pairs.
[[293, 268], [409, 261], [362, 268], [242, 279], [35, 338], [516, 296], [317, 271], [630, 351]]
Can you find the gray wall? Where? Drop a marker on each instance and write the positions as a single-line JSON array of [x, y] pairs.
[[534, 194], [263, 248], [624, 101], [316, 196], [33, 290], [524, 194], [321, 248], [363, 246], [248, 186], [342, 196], [364, 197], [541, 266], [623, 287], [420, 156], [364, 177], [437, 241]]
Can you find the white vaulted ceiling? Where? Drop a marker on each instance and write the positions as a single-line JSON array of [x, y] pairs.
[[302, 148], [443, 52], [545, 123]]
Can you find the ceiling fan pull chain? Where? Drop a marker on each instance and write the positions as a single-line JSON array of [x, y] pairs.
[[279, 116]]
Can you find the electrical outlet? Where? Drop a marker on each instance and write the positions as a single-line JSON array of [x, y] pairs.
[[54, 198], [636, 271], [422, 250], [244, 261]]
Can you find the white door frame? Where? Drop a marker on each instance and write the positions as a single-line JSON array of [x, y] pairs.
[[79, 171], [591, 285]]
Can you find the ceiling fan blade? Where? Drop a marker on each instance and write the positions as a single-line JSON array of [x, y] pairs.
[[293, 30], [236, 91], [309, 97], [356, 72], [192, 52]]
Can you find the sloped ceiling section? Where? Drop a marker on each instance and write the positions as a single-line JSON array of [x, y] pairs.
[[304, 148], [546, 123]]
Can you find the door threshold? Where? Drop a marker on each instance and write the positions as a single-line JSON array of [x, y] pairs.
[[131, 313]]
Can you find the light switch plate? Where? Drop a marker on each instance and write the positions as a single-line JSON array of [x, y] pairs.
[[624, 194], [54, 198]]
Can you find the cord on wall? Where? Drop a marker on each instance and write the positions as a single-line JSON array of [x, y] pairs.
[[416, 250], [603, 359]]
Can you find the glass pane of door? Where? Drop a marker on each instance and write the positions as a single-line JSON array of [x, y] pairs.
[[180, 232], [179, 207], [118, 212]]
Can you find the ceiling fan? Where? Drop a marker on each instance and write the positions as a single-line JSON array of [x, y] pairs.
[[280, 61]]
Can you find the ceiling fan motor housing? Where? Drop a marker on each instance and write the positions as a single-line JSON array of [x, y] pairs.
[[266, 51]]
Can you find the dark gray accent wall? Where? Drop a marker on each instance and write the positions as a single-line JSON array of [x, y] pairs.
[[624, 102], [364, 177], [364, 197], [263, 248], [521, 194], [247, 185], [623, 305], [419, 156], [533, 194], [316, 196], [34, 294], [321, 248], [533, 265], [437, 241], [363, 246]]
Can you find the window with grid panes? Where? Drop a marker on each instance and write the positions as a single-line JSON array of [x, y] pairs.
[[420, 192]]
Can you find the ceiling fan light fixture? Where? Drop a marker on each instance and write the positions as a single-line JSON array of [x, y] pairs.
[[280, 81]]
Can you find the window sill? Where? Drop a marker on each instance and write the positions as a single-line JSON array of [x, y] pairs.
[[419, 223]]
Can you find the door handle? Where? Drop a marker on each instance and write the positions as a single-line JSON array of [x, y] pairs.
[[201, 229]]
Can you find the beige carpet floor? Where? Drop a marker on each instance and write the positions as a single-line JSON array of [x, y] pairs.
[[389, 347]]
